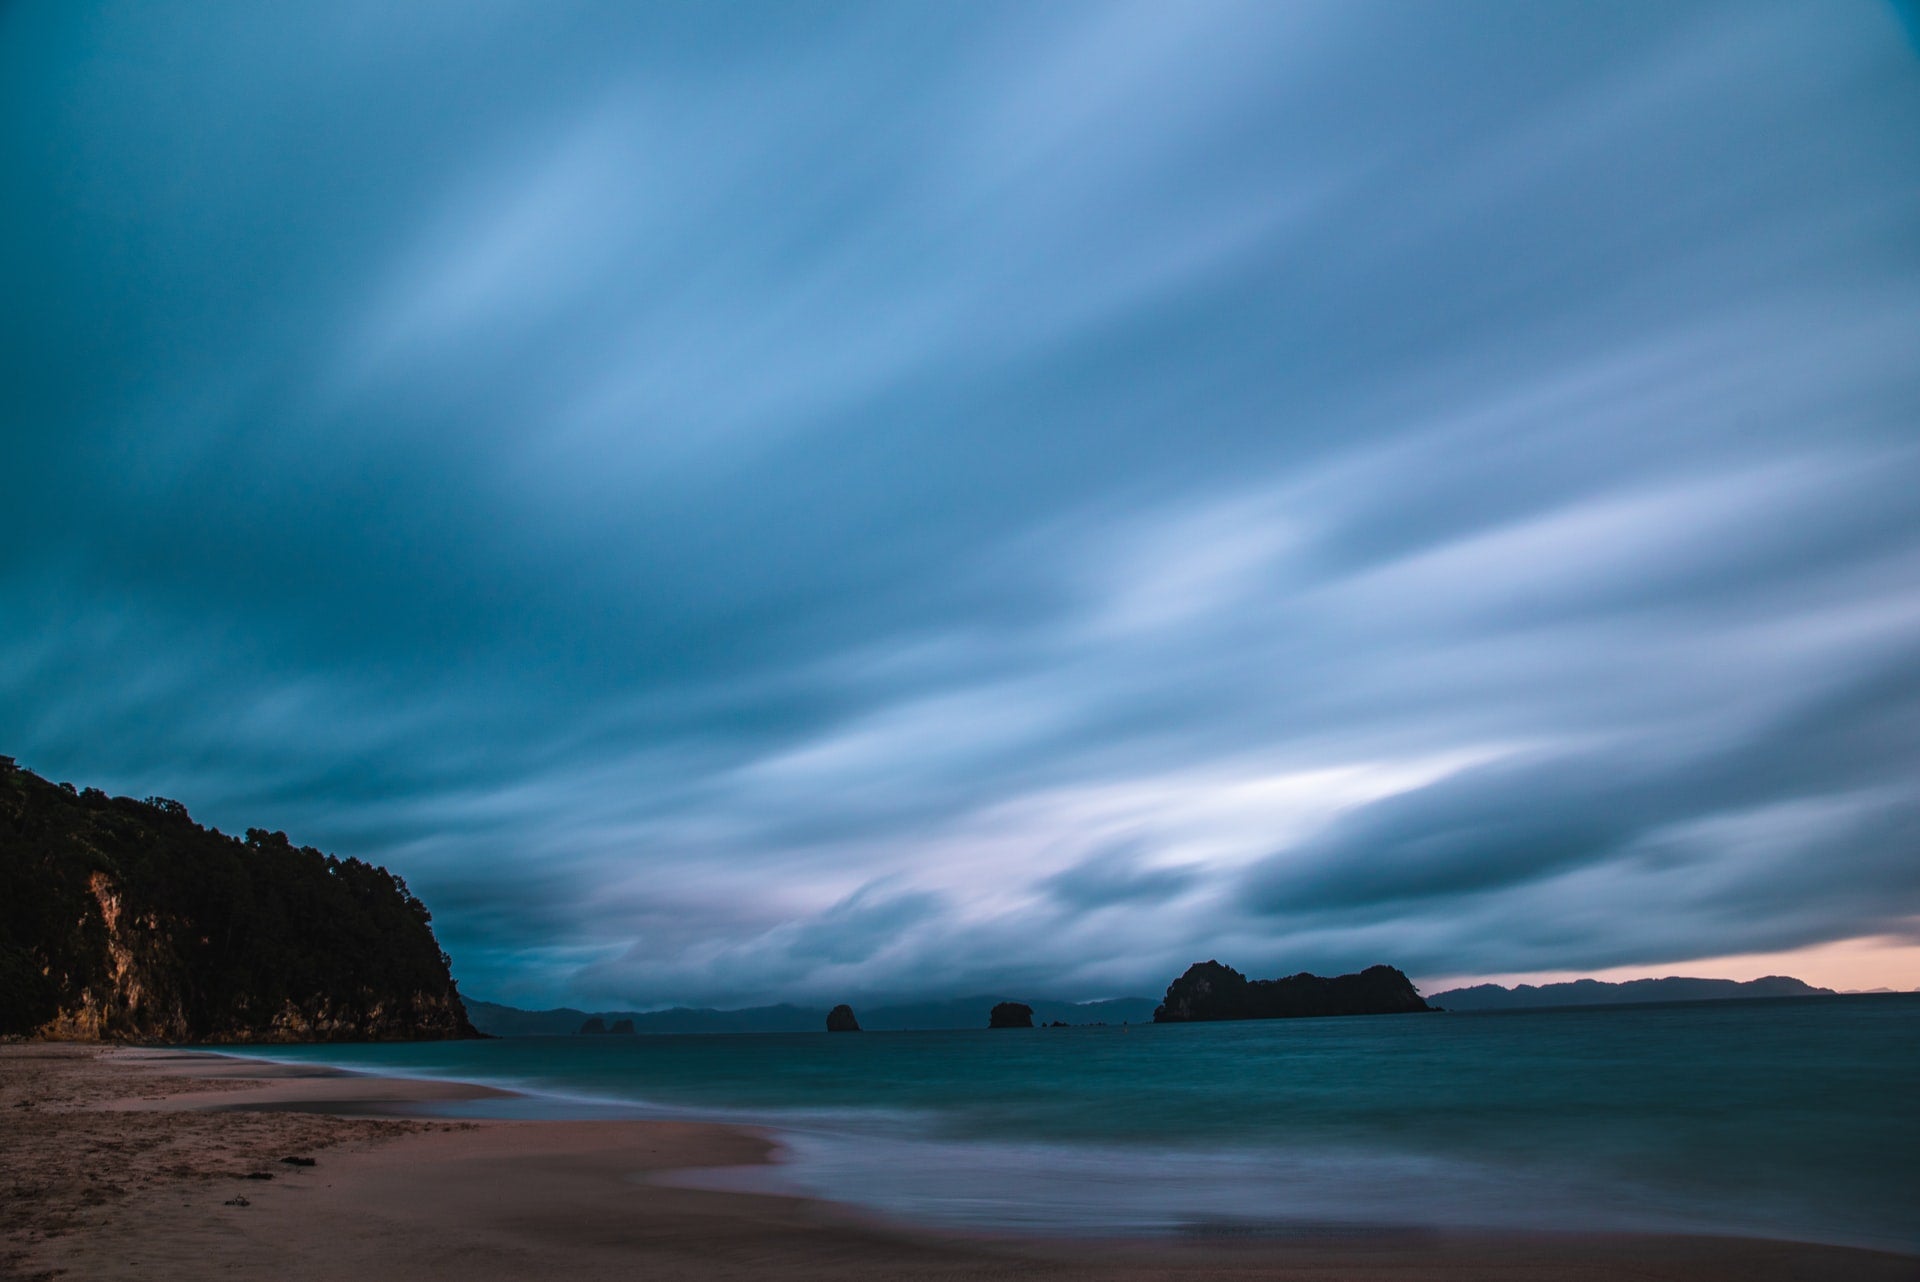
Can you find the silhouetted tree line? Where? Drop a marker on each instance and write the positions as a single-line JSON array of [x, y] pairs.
[[163, 929]]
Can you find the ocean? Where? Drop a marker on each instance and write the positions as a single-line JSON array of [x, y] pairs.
[[1795, 1118]]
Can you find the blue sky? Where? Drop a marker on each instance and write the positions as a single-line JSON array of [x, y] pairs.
[[757, 502]]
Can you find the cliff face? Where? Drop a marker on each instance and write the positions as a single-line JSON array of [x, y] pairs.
[[125, 919], [1211, 991]]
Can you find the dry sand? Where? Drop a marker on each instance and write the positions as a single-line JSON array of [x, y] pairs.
[[118, 1163]]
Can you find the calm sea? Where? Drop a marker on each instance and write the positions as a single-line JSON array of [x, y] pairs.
[[1790, 1118]]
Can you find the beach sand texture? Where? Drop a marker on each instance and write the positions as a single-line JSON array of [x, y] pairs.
[[124, 1163]]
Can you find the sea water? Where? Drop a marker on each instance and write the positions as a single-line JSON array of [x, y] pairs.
[[1796, 1118]]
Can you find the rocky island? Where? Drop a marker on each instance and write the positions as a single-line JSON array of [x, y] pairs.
[[126, 919], [1211, 991], [1010, 1015]]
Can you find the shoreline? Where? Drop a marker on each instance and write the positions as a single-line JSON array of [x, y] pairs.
[[137, 1163]]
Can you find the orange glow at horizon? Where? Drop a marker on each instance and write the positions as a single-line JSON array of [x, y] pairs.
[[1877, 961]]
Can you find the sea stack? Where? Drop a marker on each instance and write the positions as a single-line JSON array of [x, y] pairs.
[[840, 1020], [1010, 1015]]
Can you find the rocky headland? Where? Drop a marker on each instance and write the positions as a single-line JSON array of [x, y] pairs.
[[124, 919]]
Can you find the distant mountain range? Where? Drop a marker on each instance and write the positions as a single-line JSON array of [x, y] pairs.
[[1594, 992], [958, 1012]]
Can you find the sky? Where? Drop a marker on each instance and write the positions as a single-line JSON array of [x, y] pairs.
[[763, 502]]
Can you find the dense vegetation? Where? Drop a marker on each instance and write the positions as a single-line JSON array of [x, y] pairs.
[[125, 918]]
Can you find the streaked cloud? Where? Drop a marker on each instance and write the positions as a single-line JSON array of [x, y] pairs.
[[760, 504]]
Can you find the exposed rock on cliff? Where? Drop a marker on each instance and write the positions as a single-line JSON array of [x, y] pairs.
[[840, 1020], [1211, 991], [1010, 1015], [125, 919]]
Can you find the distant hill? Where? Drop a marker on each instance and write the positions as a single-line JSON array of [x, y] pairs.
[[957, 1012], [971, 1012], [126, 919], [510, 1021], [1595, 992], [1210, 991]]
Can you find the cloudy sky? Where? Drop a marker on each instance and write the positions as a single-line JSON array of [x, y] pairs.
[[802, 501]]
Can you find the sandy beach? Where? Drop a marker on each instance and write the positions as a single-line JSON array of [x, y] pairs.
[[128, 1163]]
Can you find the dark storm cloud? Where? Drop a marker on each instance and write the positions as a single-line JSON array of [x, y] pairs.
[[1789, 833], [738, 504]]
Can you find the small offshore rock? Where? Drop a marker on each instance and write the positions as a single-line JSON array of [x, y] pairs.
[[840, 1020]]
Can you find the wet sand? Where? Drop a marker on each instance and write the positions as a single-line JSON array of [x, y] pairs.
[[123, 1163]]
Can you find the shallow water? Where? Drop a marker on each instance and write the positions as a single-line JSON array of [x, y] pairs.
[[1793, 1118]]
